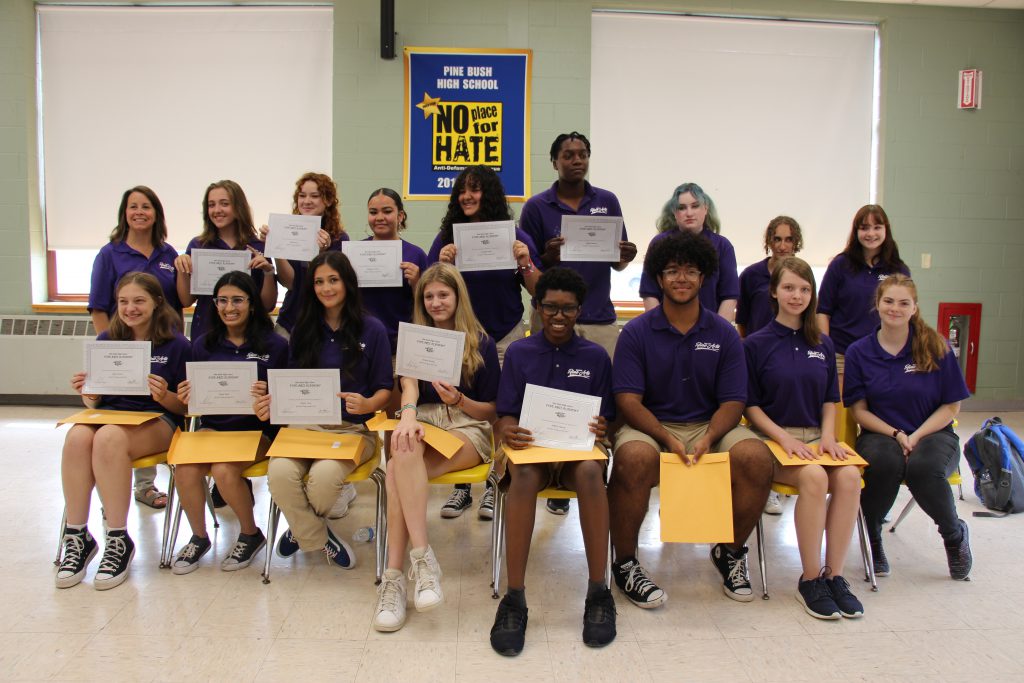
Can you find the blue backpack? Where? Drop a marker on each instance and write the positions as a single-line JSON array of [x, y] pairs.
[[994, 455]]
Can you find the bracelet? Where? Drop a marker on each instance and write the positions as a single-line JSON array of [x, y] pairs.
[[527, 269], [897, 431], [462, 398], [398, 413]]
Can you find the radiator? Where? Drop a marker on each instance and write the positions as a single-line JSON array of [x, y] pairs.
[[39, 354]]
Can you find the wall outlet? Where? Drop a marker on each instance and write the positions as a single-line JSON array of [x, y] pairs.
[[926, 261]]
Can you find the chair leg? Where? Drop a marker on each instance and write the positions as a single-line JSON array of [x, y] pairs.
[[165, 550], [865, 551], [497, 540], [273, 514], [60, 537], [761, 559], [380, 544], [906, 511], [209, 504]]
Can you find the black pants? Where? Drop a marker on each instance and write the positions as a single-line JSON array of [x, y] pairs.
[[931, 462]]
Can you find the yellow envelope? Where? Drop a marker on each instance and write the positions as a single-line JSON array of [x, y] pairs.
[[202, 447], [539, 454], [443, 442], [785, 458], [696, 501], [92, 416], [305, 443]]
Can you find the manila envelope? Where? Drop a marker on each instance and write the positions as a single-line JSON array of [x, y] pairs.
[[445, 444], [308, 444], [785, 458], [538, 454], [92, 416], [696, 500], [209, 446]]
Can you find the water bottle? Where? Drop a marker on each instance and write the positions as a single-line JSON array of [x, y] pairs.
[[364, 534]]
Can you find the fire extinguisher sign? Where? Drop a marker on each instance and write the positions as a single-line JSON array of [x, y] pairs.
[[969, 91]]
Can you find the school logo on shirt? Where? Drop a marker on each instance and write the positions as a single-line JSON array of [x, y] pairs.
[[166, 266], [707, 346], [159, 360], [599, 209], [882, 276], [255, 356], [816, 354], [582, 374], [909, 367], [362, 346]]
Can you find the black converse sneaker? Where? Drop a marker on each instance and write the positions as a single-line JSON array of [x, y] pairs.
[[486, 509], [633, 580], [458, 502], [733, 568], [117, 557], [246, 548], [187, 560], [79, 549]]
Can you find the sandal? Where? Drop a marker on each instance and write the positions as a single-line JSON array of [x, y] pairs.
[[153, 498]]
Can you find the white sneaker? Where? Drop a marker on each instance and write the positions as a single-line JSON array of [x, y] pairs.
[[426, 572], [774, 505], [345, 498], [391, 597]]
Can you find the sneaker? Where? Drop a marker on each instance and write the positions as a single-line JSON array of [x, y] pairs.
[[878, 559], [633, 580], [338, 552], [458, 502], [509, 631], [79, 549], [558, 506], [959, 556], [774, 504], [117, 557], [426, 572], [816, 598], [218, 500], [848, 604], [245, 550], [390, 613], [735, 575], [188, 559], [345, 498], [599, 619], [486, 509], [287, 545]]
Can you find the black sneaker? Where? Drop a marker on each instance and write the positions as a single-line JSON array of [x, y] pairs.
[[959, 556], [218, 500], [457, 503], [338, 552], [599, 619], [735, 575], [245, 550], [287, 545], [816, 598], [558, 506], [188, 559], [117, 557], [79, 549], [486, 509], [848, 604], [509, 631], [632, 580], [878, 559]]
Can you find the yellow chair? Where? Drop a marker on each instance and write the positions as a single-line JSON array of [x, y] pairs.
[[954, 480]]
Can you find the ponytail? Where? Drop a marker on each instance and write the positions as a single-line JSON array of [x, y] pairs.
[[928, 346]]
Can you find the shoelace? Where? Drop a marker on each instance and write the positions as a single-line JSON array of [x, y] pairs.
[[112, 555], [189, 551], [639, 580], [424, 576], [509, 617], [488, 499], [332, 551], [738, 570], [600, 609], [457, 499], [74, 548], [390, 595], [239, 550]]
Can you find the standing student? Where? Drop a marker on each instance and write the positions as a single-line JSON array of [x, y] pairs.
[[690, 209], [137, 244], [904, 386], [792, 390], [331, 332], [242, 331], [465, 410], [559, 359], [101, 457]]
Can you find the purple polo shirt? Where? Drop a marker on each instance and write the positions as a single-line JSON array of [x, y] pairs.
[[393, 305], [117, 259], [723, 284], [168, 361], [294, 297], [893, 388], [495, 294], [485, 381], [371, 373], [580, 366], [275, 355], [848, 297], [680, 378], [541, 219], [754, 308], [204, 302], [788, 378]]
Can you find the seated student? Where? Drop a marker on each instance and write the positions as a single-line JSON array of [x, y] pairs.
[[558, 359], [680, 383], [101, 457], [791, 397], [241, 331]]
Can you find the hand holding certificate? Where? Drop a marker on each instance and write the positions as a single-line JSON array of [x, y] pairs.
[[117, 368], [591, 238], [484, 246], [429, 353], [304, 396], [559, 419], [378, 263], [293, 237], [208, 265], [220, 388]]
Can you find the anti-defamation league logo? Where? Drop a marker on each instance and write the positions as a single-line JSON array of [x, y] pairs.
[[463, 133]]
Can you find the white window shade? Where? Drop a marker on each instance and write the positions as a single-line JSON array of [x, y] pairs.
[[175, 98]]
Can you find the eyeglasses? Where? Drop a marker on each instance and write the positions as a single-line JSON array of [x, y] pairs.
[[568, 310], [677, 273], [236, 301]]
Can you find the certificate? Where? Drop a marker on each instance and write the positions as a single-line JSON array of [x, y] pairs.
[[591, 238], [221, 388], [305, 397], [378, 263], [559, 419], [293, 237], [117, 368], [429, 353], [484, 246], [208, 265]]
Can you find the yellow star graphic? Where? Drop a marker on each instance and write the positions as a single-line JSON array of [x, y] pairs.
[[429, 105]]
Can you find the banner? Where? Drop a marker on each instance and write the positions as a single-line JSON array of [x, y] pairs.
[[466, 107]]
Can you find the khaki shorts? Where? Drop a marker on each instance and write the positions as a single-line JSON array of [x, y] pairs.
[[688, 433], [478, 432], [369, 438], [515, 334], [840, 364]]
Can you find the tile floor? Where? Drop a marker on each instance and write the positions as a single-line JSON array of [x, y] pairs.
[[312, 622]]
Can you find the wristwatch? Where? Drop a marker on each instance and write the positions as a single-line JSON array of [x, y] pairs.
[[897, 431]]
